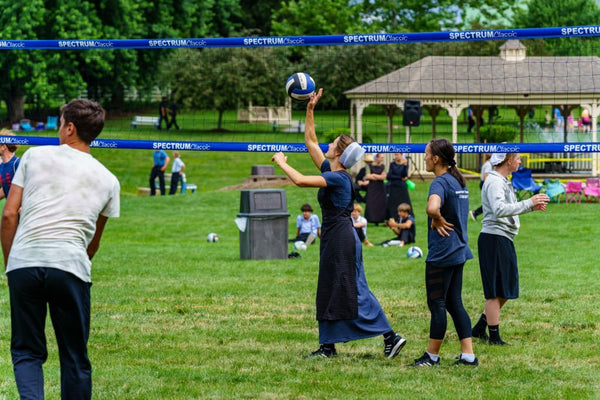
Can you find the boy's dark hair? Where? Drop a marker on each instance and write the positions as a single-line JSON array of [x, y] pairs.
[[87, 116], [306, 207]]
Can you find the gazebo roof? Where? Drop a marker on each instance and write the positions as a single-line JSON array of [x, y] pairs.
[[448, 75]]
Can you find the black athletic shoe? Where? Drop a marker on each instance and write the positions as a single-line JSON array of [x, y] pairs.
[[393, 346], [461, 361], [498, 342], [479, 334], [324, 352], [425, 361]]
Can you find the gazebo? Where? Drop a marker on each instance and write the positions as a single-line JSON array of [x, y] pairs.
[[511, 79]]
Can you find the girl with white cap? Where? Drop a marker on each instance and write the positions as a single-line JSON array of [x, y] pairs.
[[346, 308]]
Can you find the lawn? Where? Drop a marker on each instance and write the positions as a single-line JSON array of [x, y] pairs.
[[176, 317]]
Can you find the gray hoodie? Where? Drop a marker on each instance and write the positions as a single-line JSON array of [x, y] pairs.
[[500, 206]]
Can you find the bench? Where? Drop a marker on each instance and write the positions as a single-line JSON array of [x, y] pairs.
[[141, 120], [188, 187]]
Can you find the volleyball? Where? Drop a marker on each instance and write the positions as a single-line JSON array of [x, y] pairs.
[[300, 86], [299, 245], [414, 252], [212, 237]]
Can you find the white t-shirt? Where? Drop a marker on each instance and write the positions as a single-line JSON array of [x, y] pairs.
[[359, 220], [64, 192], [177, 165]]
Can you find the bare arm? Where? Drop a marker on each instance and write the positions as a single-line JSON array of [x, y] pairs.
[[299, 179], [10, 220], [95, 243], [166, 163], [310, 136], [439, 223]]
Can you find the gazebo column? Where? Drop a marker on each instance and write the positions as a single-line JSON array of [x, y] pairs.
[[360, 107], [594, 109], [454, 109]]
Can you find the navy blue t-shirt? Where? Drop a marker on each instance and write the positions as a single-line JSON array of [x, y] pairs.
[[454, 249], [339, 184], [7, 172]]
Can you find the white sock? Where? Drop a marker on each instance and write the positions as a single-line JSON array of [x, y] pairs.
[[434, 357], [467, 357]]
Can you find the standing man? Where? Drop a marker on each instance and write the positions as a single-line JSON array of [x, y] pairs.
[[173, 114], [162, 113], [9, 164], [60, 200], [161, 160]]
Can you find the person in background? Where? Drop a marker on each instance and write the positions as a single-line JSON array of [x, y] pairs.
[[176, 171], [163, 113], [10, 163], [360, 224], [161, 160], [403, 227], [362, 184], [54, 217], [346, 308], [397, 187], [173, 114], [497, 255], [308, 225], [485, 170], [375, 210], [448, 250]]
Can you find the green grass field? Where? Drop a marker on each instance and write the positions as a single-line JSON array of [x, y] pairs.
[[175, 317]]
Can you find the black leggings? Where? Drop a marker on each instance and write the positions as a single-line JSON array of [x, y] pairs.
[[444, 286]]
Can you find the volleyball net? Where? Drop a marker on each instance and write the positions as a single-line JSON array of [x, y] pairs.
[[537, 89]]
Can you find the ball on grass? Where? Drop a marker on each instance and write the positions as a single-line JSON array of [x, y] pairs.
[[414, 252], [299, 245], [212, 237], [300, 86]]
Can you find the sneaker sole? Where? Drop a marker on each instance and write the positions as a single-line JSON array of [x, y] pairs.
[[396, 349]]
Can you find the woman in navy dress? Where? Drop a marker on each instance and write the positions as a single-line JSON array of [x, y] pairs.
[[346, 308], [398, 190]]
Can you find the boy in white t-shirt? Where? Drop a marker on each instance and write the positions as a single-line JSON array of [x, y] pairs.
[[60, 200], [308, 224], [176, 171]]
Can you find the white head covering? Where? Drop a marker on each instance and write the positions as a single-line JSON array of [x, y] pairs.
[[497, 158], [351, 155]]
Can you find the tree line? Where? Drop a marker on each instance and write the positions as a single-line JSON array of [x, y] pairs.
[[223, 79]]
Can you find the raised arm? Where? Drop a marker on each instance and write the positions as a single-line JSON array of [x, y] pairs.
[[298, 178], [310, 136]]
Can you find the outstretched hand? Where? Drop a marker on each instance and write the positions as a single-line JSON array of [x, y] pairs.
[[279, 158], [314, 99], [442, 226], [540, 201]]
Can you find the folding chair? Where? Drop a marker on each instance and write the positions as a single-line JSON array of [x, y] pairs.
[[573, 192], [554, 189], [524, 184], [26, 125], [52, 122], [592, 189]]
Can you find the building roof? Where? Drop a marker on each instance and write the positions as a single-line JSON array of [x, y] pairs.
[[448, 75]]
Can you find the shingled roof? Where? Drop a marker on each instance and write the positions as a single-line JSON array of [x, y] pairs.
[[439, 75]]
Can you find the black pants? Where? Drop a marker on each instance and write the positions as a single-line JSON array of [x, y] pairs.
[[172, 122], [175, 177], [32, 292], [444, 287], [157, 172]]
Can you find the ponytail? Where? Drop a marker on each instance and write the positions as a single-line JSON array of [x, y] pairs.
[[445, 151]]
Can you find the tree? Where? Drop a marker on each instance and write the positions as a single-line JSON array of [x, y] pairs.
[[551, 13], [224, 78], [315, 17]]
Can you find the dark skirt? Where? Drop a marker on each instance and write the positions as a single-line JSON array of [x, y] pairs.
[[398, 194], [376, 202], [498, 266]]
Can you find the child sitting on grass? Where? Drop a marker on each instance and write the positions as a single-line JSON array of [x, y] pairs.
[[360, 224], [308, 224], [403, 227]]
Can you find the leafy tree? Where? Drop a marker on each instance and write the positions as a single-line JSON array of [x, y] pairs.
[[224, 78], [551, 13], [315, 17]]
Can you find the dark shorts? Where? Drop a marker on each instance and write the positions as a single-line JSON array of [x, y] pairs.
[[498, 266]]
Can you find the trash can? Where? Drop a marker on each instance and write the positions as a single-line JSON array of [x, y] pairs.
[[263, 224]]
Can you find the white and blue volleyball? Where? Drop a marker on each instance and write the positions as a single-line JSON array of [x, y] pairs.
[[299, 245], [300, 86], [414, 252], [212, 238]]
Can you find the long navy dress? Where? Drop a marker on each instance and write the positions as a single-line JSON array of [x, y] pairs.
[[375, 210], [346, 308], [398, 190]]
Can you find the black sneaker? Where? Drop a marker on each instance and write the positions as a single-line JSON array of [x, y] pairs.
[[324, 352], [479, 334], [498, 342], [425, 361], [461, 361], [393, 346]]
